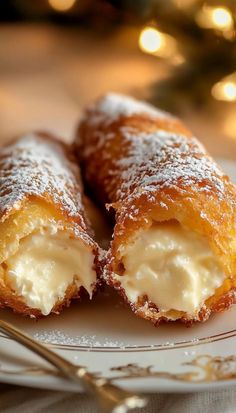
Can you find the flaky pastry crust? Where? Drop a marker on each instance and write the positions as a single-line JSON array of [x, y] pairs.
[[147, 166], [39, 182]]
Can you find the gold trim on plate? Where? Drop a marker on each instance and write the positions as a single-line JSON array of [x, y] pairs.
[[204, 369]]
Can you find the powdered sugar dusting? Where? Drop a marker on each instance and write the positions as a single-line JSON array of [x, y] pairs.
[[94, 341], [137, 161], [37, 165], [85, 340], [112, 106], [165, 160], [151, 161]]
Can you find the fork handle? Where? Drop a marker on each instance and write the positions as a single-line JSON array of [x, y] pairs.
[[108, 395], [76, 373], [64, 366]]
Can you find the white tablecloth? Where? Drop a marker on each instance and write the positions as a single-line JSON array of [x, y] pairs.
[[24, 400]]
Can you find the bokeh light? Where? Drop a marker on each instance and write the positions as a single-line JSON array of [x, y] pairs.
[[225, 90], [151, 40], [154, 42], [61, 5], [222, 18], [215, 18]]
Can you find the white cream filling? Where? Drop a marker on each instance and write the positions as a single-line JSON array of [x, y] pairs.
[[174, 267], [46, 263]]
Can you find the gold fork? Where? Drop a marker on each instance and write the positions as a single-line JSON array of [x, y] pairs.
[[110, 398]]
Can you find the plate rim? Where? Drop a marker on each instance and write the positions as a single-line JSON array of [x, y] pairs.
[[152, 347]]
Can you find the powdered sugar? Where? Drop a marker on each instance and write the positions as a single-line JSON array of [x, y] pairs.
[[112, 106], [88, 341], [147, 161], [162, 160], [156, 160], [36, 165]]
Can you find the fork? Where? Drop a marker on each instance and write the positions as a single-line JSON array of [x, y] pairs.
[[110, 398]]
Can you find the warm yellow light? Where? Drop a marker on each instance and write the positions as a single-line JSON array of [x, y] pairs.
[[224, 90], [151, 40], [157, 43], [215, 18], [222, 18], [61, 5]]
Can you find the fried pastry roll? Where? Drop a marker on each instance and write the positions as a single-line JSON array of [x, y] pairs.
[[173, 253], [46, 250]]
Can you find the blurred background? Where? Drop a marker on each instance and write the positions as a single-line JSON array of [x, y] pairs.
[[58, 55]]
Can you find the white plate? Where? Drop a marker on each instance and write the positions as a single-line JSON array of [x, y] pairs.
[[107, 338]]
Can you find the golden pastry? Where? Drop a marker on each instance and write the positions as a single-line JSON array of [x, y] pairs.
[[173, 254], [47, 253]]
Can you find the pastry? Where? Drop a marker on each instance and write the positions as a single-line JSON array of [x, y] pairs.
[[47, 252], [173, 253]]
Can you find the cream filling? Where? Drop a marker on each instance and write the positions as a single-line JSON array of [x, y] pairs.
[[174, 267], [46, 263]]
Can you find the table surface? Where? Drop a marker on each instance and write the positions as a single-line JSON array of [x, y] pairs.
[[19, 399], [48, 73]]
